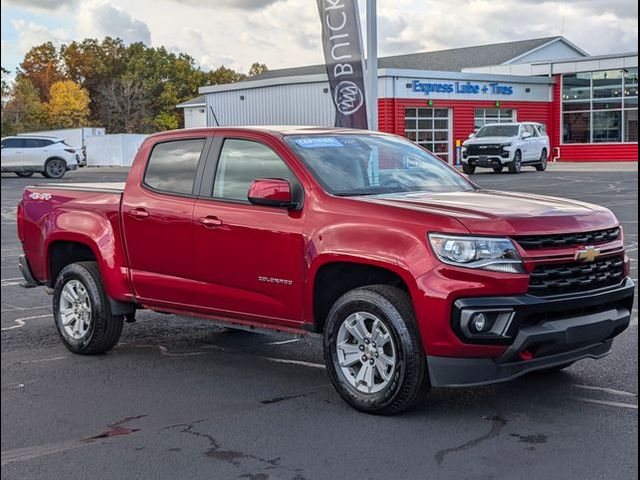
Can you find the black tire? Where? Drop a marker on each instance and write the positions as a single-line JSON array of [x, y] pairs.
[[55, 168], [409, 380], [544, 161], [104, 329], [24, 174], [468, 169], [516, 165], [498, 169]]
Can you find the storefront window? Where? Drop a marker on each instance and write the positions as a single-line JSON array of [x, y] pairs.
[[576, 127], [600, 107], [484, 116]]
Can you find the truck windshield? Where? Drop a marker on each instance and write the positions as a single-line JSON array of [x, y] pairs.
[[359, 164], [498, 131]]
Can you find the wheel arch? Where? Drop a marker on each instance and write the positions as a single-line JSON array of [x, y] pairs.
[[335, 276]]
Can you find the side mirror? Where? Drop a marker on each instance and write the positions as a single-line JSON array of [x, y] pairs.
[[472, 135], [526, 135], [271, 192]]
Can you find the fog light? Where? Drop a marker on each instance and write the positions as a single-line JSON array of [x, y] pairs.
[[479, 322]]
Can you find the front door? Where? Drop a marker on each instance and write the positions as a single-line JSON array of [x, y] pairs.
[[249, 259], [158, 228]]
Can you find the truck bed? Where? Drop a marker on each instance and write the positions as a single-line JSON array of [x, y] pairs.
[[98, 187]]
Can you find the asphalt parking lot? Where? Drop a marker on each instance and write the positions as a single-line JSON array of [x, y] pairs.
[[185, 399]]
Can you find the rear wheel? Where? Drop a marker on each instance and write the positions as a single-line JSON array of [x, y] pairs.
[[516, 165], [24, 174], [544, 161], [468, 169], [373, 350], [82, 312], [55, 168]]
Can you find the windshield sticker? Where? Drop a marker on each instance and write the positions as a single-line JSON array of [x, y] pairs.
[[318, 142]]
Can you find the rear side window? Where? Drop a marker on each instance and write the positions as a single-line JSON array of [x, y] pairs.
[[172, 166], [243, 161], [35, 143]]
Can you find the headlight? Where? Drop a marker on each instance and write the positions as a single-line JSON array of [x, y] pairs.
[[506, 144], [495, 254]]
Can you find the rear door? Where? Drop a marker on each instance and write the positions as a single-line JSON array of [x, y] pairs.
[[157, 216], [249, 259]]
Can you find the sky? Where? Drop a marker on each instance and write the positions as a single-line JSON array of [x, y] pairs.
[[284, 33]]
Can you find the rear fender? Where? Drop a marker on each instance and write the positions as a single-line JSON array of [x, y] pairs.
[[102, 235]]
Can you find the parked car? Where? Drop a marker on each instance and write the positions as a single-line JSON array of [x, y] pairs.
[[50, 156], [414, 276], [513, 145]]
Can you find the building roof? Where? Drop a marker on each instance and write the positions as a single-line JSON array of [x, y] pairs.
[[452, 60], [194, 102]]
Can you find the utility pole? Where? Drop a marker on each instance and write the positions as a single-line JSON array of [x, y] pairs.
[[372, 63]]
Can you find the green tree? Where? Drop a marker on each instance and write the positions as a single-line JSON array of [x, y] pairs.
[[257, 69], [23, 111], [68, 105]]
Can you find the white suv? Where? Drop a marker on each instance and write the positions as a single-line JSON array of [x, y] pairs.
[[26, 155], [507, 144]]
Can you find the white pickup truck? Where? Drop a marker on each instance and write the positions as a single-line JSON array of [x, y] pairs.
[[507, 144]]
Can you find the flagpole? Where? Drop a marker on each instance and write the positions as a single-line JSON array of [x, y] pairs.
[[372, 64]]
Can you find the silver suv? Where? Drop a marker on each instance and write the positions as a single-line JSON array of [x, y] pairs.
[[513, 145], [50, 156]]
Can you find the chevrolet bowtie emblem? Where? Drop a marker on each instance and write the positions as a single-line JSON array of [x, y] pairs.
[[588, 254]]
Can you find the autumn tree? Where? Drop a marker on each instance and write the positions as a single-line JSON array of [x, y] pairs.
[[23, 111], [41, 66], [68, 105]]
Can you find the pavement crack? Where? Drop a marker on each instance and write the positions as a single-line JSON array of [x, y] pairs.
[[497, 424]]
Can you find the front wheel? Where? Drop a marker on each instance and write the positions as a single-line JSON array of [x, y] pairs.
[[497, 168], [516, 165], [544, 161], [468, 169], [55, 168], [24, 174], [373, 351], [82, 312]]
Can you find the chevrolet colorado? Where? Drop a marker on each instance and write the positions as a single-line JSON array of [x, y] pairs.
[[415, 276]]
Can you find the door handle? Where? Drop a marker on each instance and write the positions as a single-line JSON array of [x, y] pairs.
[[139, 213], [210, 222]]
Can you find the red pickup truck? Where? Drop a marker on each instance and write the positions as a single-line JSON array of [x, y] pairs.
[[415, 276]]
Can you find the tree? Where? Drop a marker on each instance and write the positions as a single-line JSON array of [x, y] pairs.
[[23, 111], [127, 107], [68, 105], [41, 66], [257, 69]]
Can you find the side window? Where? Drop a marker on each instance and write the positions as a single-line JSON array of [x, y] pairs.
[[172, 166], [33, 143], [13, 143], [243, 161]]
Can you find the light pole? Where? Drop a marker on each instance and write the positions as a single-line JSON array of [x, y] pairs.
[[372, 63]]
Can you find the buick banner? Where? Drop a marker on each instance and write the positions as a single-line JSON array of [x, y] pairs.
[[342, 45]]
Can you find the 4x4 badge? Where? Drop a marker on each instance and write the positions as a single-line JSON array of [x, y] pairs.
[[588, 254]]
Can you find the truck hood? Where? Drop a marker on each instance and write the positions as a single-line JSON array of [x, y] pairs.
[[489, 212]]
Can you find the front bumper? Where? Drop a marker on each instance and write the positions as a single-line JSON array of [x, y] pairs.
[[545, 333]]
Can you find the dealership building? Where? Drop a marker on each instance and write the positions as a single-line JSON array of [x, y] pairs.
[[589, 104]]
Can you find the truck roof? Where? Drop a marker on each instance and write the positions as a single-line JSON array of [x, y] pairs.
[[277, 130]]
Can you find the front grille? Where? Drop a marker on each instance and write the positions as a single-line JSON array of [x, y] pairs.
[[484, 150], [563, 278], [534, 242]]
